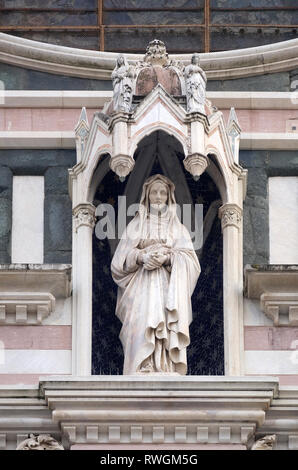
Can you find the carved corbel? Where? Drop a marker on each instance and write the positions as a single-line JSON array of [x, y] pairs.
[[122, 165], [196, 164]]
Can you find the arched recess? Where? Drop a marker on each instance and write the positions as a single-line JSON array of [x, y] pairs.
[[160, 152]]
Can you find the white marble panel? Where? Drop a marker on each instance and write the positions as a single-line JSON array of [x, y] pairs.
[[271, 362], [283, 219], [253, 315], [62, 313], [32, 361], [27, 219]]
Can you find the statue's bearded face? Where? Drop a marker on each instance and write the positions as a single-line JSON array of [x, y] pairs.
[[158, 195]]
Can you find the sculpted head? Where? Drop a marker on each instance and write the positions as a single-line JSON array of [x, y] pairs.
[[195, 60], [158, 194], [120, 60]]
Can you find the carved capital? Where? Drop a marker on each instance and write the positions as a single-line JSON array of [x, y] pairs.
[[196, 164], [122, 165], [230, 214], [198, 117], [40, 442], [84, 214]]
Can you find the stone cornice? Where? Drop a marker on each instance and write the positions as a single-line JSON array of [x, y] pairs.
[[120, 409], [96, 99], [54, 279], [270, 278], [281, 56]]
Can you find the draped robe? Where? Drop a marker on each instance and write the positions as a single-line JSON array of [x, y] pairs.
[[155, 306]]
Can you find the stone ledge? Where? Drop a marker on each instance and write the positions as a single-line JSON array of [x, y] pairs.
[[281, 56], [158, 408], [37, 278], [277, 288]]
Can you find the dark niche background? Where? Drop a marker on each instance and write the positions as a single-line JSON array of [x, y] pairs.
[[206, 350]]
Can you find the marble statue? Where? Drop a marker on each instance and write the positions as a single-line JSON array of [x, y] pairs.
[[122, 78], [156, 270], [195, 84]]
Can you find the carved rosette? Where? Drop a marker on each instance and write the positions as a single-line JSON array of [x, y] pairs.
[[230, 214], [122, 165], [84, 214], [40, 442], [196, 164]]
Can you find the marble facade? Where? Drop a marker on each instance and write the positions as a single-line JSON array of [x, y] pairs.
[[46, 306]]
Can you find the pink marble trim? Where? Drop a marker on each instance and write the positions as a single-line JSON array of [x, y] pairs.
[[41, 119], [263, 120], [21, 379], [36, 337], [283, 379], [267, 338]]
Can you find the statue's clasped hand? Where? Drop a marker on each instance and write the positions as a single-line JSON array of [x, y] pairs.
[[154, 260]]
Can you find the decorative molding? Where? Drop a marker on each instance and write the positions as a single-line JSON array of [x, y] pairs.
[[38, 410], [37, 140], [36, 279], [40, 442], [230, 215], [268, 141], [281, 307], [22, 308], [84, 215], [277, 288], [131, 409], [270, 278], [76, 99], [198, 117], [281, 56]]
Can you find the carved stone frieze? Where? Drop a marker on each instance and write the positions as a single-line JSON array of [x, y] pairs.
[[40, 442], [265, 443]]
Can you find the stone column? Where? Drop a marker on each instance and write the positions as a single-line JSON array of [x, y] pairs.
[[121, 163], [196, 161], [83, 225], [231, 216]]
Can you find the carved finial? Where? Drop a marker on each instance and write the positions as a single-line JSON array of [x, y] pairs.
[[265, 443], [82, 131], [233, 119], [156, 53], [40, 442], [234, 131]]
